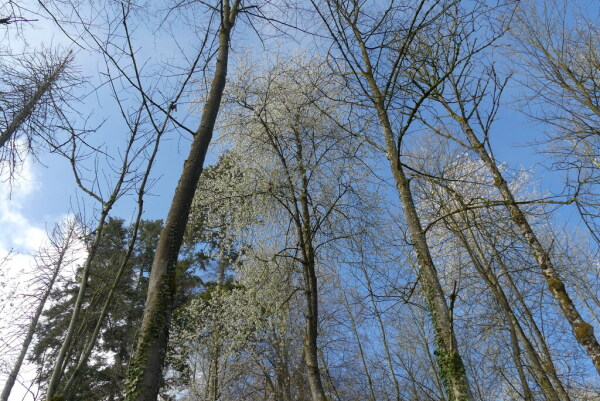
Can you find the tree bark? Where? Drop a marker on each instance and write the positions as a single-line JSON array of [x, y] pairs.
[[145, 370], [311, 355], [449, 361]]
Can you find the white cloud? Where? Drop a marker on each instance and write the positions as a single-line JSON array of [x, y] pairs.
[[16, 231], [20, 238]]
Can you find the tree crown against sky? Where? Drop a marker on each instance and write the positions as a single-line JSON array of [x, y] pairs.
[[299, 214]]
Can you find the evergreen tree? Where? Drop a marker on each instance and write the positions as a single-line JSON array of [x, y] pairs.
[[102, 376]]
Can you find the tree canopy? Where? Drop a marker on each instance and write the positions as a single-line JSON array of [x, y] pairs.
[[314, 200]]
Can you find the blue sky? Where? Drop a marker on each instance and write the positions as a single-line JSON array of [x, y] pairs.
[[56, 190], [46, 191]]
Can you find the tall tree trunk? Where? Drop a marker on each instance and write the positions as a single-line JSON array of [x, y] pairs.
[[583, 331], [89, 346], [347, 36], [539, 339], [145, 370], [516, 351], [311, 355], [61, 359], [449, 361], [12, 376], [310, 338], [327, 375]]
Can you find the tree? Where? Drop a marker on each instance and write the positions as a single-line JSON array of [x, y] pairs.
[[50, 262], [216, 336], [557, 47], [463, 99], [296, 163], [464, 211], [116, 324], [125, 177], [35, 87], [373, 45], [288, 271], [145, 370], [35, 91]]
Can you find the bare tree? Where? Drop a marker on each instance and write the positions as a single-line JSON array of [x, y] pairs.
[[122, 265], [468, 209], [471, 98], [35, 92], [158, 100], [50, 262], [583, 331], [125, 178], [373, 43], [558, 51], [145, 372]]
